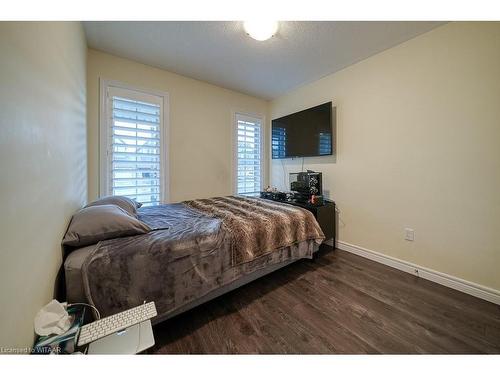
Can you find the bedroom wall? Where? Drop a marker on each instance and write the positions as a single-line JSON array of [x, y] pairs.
[[42, 162], [418, 130], [200, 142]]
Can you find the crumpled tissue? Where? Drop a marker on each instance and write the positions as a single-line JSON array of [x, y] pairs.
[[52, 319]]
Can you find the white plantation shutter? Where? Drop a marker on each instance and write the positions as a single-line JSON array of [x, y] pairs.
[[248, 155], [134, 162]]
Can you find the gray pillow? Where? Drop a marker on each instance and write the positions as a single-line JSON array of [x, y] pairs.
[[127, 204], [96, 223]]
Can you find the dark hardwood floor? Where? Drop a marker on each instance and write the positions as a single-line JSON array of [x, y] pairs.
[[337, 303]]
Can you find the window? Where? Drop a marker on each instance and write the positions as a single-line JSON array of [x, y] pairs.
[[249, 156], [133, 163]]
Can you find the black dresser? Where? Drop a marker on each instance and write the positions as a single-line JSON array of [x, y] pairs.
[[324, 214]]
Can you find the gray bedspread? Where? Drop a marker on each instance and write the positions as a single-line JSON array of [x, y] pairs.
[[187, 255]]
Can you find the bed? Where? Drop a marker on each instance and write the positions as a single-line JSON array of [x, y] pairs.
[[195, 251]]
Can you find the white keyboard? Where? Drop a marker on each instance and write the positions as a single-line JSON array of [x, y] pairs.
[[114, 323]]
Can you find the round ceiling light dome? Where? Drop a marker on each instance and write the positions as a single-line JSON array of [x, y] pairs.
[[261, 30]]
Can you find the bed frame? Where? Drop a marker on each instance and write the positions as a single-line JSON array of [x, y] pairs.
[[227, 288]]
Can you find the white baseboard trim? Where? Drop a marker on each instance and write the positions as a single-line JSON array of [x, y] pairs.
[[453, 282]]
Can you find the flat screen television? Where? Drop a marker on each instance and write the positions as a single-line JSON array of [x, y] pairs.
[[305, 133]]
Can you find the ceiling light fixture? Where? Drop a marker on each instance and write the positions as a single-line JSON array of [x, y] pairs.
[[261, 30]]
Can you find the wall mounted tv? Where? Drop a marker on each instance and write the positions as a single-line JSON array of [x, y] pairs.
[[306, 133]]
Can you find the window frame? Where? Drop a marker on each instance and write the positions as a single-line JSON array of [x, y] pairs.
[[105, 117], [263, 134]]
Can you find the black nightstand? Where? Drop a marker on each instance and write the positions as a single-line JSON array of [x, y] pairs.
[[324, 214]]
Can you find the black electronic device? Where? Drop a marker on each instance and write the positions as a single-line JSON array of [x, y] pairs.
[[306, 133], [306, 184], [274, 195]]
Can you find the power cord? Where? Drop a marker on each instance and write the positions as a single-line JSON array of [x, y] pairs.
[[89, 305], [284, 174]]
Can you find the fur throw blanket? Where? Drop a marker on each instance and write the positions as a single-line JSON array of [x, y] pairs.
[[258, 226]]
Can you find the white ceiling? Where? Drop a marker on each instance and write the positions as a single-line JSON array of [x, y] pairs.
[[221, 53]]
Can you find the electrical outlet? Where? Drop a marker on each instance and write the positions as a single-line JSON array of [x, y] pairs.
[[409, 234]]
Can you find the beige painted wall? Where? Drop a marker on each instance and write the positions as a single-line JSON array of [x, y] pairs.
[[42, 163], [200, 139], [419, 147]]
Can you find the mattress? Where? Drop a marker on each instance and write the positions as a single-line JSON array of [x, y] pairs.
[[73, 272]]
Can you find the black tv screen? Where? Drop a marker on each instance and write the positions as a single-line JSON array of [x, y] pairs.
[[305, 133]]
